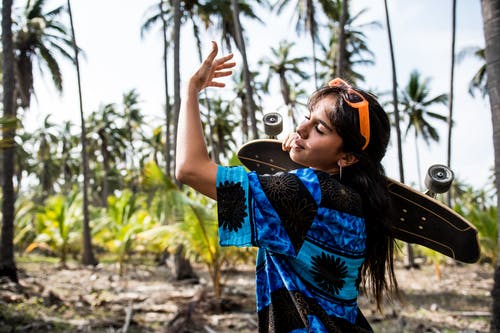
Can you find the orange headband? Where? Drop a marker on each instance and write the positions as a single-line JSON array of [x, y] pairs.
[[357, 101]]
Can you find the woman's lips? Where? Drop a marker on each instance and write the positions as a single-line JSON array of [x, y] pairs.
[[297, 144]]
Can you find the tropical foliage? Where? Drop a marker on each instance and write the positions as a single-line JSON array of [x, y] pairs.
[[417, 107], [58, 226], [39, 38], [478, 207]]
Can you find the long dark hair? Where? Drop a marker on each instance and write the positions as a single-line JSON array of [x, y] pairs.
[[367, 177]]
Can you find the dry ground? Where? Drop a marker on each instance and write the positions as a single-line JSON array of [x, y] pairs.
[[49, 299]]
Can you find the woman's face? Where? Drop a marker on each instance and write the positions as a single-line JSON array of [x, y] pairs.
[[317, 144]]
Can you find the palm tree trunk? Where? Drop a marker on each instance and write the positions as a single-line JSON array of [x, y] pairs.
[[312, 33], [168, 115], [395, 101], [417, 154], [245, 136], [452, 80], [177, 74], [491, 24], [107, 169], [215, 154], [182, 265], [65, 170], [7, 263], [341, 61], [88, 254], [249, 102], [410, 258]]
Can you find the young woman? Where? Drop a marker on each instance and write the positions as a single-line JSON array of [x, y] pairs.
[[322, 231]]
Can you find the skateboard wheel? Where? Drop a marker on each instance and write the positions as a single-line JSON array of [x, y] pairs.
[[273, 124], [439, 178]]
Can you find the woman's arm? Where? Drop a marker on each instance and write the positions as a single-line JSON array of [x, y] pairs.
[[193, 164]]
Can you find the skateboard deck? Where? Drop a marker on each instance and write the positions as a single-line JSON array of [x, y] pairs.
[[418, 218]]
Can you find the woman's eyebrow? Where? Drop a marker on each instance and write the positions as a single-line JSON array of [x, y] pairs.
[[325, 125], [322, 122]]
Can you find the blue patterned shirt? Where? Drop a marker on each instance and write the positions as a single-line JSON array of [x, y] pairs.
[[311, 238]]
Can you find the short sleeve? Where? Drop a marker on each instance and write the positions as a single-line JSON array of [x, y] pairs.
[[273, 212], [235, 227]]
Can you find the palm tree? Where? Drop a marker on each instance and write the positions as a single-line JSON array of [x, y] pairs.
[[177, 75], [24, 157], [452, 78], [163, 12], [240, 43], [355, 50], [307, 21], [341, 59], [133, 121], [88, 254], [38, 38], [240, 102], [287, 70], [109, 139], [45, 140], [416, 103], [69, 163], [395, 103], [7, 263], [478, 82], [222, 125], [176, 13], [227, 14], [491, 18], [196, 12], [164, 16]]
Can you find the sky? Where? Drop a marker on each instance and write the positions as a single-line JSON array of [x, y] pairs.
[[117, 60]]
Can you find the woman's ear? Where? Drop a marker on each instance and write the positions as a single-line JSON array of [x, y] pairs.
[[347, 160]]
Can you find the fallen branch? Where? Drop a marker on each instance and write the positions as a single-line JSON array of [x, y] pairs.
[[209, 330], [128, 317], [470, 313]]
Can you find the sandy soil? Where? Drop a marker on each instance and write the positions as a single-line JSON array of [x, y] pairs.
[[50, 299]]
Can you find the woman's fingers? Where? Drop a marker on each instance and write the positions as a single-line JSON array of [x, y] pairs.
[[221, 74], [215, 68], [211, 69], [287, 143], [213, 53], [224, 59], [219, 71]]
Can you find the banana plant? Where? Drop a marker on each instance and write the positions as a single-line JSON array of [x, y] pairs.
[[58, 226], [185, 219], [482, 213], [25, 222], [123, 219], [486, 224]]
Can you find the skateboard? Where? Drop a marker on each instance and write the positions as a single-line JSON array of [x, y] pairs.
[[418, 217]]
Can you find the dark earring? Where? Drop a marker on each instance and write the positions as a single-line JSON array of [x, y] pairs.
[[340, 173]]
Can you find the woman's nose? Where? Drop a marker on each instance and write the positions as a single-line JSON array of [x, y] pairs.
[[302, 129]]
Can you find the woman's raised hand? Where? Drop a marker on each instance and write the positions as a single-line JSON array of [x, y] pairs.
[[212, 69]]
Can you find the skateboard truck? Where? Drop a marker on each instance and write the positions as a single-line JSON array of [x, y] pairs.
[[438, 179], [273, 124]]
